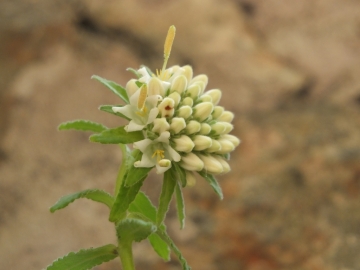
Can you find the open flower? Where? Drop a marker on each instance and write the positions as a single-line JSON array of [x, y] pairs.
[[157, 153]]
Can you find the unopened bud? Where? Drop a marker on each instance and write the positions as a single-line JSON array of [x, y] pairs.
[[215, 146], [226, 146], [228, 127], [160, 125], [211, 165], [215, 94], [190, 179], [226, 116], [184, 112], [226, 166], [205, 129], [179, 84], [203, 110], [183, 144], [218, 110], [202, 142], [155, 87], [218, 128], [188, 72], [200, 78], [164, 163], [177, 124], [205, 98], [192, 127], [233, 139], [176, 97], [131, 87], [191, 162], [193, 91], [188, 101], [166, 107]]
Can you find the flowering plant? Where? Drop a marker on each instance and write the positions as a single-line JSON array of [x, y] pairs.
[[176, 127]]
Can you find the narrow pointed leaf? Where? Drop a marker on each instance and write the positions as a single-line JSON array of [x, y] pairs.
[[114, 87], [165, 196], [83, 125], [180, 206], [92, 194], [117, 135], [125, 196], [213, 183], [164, 236], [134, 71], [108, 109], [180, 172], [160, 246], [85, 258], [126, 153], [131, 229], [136, 173]]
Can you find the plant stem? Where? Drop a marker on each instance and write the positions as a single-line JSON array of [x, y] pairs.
[[126, 256]]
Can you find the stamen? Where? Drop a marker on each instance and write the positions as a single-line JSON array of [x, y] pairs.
[[168, 44], [142, 97], [159, 155]]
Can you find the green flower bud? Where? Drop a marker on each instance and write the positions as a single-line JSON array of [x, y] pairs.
[[234, 140], [202, 142], [188, 72], [226, 146], [218, 110], [192, 127], [164, 163], [188, 101], [200, 78], [131, 87], [203, 110], [190, 179], [191, 162], [176, 97], [184, 144], [179, 84], [215, 95], [228, 127], [160, 125], [226, 116], [193, 91], [211, 165], [205, 129], [184, 112], [155, 87], [226, 166], [205, 98], [218, 128], [177, 124], [215, 146]]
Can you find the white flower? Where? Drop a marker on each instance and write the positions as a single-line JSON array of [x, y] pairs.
[[157, 153], [145, 78]]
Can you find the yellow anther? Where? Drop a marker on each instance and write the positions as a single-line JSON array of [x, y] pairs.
[[159, 154], [142, 112], [168, 44], [142, 97]]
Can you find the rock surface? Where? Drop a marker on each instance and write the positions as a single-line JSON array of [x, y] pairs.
[[290, 74]]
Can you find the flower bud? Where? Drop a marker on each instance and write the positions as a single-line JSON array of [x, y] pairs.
[[192, 127], [188, 101], [191, 162], [155, 87], [131, 87], [177, 124], [160, 125], [183, 144], [164, 163], [202, 142], [205, 129], [218, 128], [205, 98], [218, 110], [226, 166], [193, 91], [226, 146], [190, 179], [179, 84], [203, 110], [215, 146], [234, 140], [176, 97], [184, 112], [228, 127], [200, 78], [188, 72], [166, 107], [215, 94], [211, 165], [226, 116]]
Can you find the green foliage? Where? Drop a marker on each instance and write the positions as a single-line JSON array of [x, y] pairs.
[[180, 206], [167, 191], [83, 125], [134, 71], [108, 109], [134, 174], [92, 194], [213, 183], [131, 229], [180, 172], [114, 87], [85, 258], [116, 136]]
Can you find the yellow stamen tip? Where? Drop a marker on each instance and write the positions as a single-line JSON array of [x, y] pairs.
[[142, 97], [169, 41]]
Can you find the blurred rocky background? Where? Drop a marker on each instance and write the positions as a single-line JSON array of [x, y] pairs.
[[290, 70]]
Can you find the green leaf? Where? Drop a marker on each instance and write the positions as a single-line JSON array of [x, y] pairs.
[[167, 191], [117, 135], [135, 173], [125, 196], [126, 154], [180, 172], [131, 229], [134, 71], [92, 194], [85, 258], [164, 236], [180, 205], [82, 125], [143, 205], [114, 87], [108, 109], [213, 183]]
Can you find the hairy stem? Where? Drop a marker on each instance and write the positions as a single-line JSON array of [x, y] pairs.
[[126, 255]]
